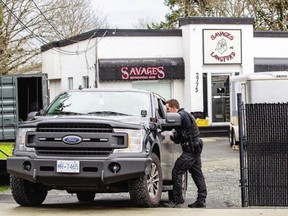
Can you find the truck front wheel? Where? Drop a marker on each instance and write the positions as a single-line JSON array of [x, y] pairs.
[[27, 193], [146, 190]]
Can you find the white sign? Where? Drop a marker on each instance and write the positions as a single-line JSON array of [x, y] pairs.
[[68, 166], [222, 46]]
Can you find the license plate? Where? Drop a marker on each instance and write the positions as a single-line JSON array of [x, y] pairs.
[[68, 166]]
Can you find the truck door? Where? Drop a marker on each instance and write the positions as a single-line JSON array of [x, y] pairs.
[[8, 107], [169, 150]]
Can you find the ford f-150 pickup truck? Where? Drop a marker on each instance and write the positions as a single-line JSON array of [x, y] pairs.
[[96, 141]]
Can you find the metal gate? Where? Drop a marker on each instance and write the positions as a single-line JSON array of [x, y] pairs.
[[263, 153]]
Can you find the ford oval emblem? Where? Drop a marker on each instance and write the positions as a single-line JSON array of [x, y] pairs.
[[72, 139]]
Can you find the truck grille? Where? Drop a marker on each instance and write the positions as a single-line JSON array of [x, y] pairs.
[[74, 128], [52, 146], [73, 151]]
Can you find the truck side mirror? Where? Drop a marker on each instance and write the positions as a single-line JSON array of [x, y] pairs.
[[173, 120]]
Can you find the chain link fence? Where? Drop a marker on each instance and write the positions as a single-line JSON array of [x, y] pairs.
[[264, 154]]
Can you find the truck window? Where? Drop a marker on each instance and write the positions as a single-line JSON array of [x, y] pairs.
[[161, 108], [101, 103]]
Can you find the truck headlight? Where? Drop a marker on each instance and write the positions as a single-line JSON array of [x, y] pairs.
[[135, 140], [21, 139]]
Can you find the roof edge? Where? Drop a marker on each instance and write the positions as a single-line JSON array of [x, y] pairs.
[[216, 20], [112, 33]]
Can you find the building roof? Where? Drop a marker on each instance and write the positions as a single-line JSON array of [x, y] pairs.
[[112, 33]]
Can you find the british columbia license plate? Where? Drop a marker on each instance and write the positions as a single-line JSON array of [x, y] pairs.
[[68, 166]]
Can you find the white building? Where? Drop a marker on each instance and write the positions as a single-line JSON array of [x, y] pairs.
[[192, 64]]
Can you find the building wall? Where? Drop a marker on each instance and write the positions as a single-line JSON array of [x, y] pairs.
[[67, 59], [140, 47], [80, 59], [270, 47], [193, 49]]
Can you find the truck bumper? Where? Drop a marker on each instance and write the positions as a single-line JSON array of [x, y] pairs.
[[90, 173]]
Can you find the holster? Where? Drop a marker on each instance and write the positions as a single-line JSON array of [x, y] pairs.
[[191, 143]]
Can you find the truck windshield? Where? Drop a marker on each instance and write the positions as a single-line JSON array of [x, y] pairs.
[[101, 103]]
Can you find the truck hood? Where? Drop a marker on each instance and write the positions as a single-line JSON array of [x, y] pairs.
[[132, 122]]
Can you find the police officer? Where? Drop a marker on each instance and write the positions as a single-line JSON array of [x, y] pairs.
[[188, 136]]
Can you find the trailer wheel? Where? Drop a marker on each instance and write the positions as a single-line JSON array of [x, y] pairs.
[[27, 193], [146, 190]]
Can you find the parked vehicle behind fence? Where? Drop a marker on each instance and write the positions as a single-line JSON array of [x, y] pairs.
[[260, 87]]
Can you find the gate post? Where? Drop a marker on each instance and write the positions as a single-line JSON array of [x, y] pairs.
[[241, 151]]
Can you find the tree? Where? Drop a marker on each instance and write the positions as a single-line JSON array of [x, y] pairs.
[[28, 24], [1, 15], [267, 14], [1, 21], [143, 23], [71, 18], [184, 8]]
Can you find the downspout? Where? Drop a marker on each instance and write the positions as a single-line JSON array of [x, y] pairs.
[[96, 63]]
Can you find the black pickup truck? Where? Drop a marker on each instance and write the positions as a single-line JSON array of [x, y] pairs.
[[96, 141]]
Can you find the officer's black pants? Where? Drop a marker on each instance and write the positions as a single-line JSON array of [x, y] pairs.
[[192, 163]]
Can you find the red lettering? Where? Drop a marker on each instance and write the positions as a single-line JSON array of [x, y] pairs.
[[149, 71], [124, 72], [161, 73], [142, 73], [222, 34], [133, 71], [223, 58], [145, 71]]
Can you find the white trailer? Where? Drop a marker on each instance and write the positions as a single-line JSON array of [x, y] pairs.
[[260, 87]]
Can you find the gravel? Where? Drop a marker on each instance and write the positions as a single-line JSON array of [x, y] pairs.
[[221, 168]]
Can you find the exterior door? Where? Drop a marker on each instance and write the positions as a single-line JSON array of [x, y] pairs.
[[220, 98]]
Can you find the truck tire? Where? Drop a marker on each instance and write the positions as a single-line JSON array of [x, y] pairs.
[[184, 189], [146, 190], [84, 196], [27, 193]]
